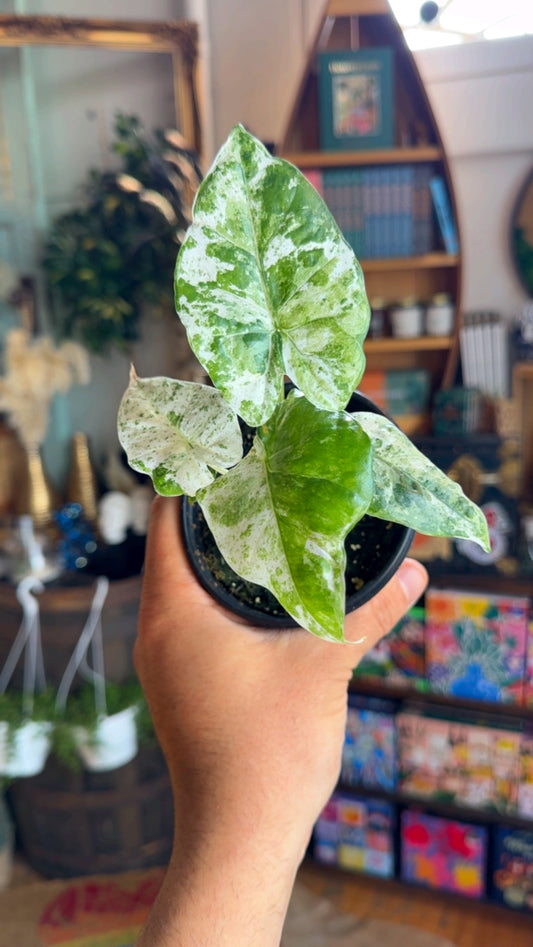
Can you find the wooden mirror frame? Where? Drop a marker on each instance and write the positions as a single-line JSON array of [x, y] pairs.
[[177, 38], [521, 234]]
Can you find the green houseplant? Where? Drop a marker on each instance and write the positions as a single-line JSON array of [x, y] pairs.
[[268, 288], [115, 253]]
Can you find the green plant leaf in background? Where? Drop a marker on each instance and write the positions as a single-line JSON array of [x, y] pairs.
[[265, 284], [280, 516], [178, 432], [410, 489]]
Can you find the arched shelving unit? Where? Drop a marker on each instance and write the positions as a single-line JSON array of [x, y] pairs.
[[364, 24]]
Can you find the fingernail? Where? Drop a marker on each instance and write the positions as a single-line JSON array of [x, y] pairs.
[[413, 579]]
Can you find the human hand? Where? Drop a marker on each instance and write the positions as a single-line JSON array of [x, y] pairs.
[[251, 723]]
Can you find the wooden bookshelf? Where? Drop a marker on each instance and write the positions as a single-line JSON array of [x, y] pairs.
[[426, 262], [352, 24], [425, 343], [336, 159]]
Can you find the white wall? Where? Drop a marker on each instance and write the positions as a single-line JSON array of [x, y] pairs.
[[482, 96], [257, 52]]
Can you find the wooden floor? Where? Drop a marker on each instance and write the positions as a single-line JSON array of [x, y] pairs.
[[464, 923]]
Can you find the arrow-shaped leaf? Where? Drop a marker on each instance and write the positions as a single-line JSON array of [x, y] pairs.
[[280, 516], [410, 489], [178, 432], [266, 285]]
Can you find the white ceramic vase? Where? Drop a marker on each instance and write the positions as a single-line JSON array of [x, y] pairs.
[[25, 753], [112, 744]]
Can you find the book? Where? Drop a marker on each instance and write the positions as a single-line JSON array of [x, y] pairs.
[[443, 213], [459, 762], [443, 853], [511, 874], [476, 644], [357, 835], [355, 99], [369, 751]]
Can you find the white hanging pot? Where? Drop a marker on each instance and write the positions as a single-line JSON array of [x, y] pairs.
[[24, 753], [111, 744]]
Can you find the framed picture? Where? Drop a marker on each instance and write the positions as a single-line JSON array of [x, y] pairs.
[[355, 99]]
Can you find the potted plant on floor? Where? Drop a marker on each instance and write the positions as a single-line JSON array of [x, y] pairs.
[[268, 288]]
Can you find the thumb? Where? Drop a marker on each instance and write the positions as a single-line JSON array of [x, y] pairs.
[[377, 617]]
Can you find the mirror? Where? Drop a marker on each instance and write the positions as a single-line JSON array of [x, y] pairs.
[[62, 82], [522, 235]]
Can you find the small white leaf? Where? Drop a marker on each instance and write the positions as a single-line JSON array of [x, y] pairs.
[[178, 432]]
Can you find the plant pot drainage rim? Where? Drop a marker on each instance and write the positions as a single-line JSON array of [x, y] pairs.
[[255, 604]]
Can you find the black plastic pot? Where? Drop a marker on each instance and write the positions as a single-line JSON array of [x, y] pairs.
[[374, 550]]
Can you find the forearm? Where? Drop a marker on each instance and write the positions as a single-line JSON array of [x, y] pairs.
[[233, 892]]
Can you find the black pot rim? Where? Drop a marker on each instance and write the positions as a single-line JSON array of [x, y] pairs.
[[189, 510]]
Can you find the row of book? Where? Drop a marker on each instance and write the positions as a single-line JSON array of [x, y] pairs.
[[485, 353], [463, 644], [472, 761], [379, 838], [388, 211]]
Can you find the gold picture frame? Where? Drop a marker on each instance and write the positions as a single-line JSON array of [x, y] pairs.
[[178, 38]]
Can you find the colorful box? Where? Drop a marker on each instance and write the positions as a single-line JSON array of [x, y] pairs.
[[525, 783], [399, 658], [369, 752], [356, 834], [404, 395], [444, 854], [462, 763], [511, 876], [476, 644], [528, 683]]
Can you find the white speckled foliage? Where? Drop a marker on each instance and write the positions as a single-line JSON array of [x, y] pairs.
[[266, 284], [178, 432], [281, 516], [266, 287], [409, 489]]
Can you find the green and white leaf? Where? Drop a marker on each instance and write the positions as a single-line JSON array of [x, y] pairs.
[[178, 432], [281, 515], [265, 285], [410, 489]]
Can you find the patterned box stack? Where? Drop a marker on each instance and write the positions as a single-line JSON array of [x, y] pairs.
[[357, 834], [476, 644]]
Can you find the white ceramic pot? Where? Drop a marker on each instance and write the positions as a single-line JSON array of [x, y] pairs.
[[112, 744], [440, 316], [25, 754], [407, 321]]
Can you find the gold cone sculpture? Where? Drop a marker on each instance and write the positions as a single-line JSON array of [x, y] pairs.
[[37, 497], [81, 484]]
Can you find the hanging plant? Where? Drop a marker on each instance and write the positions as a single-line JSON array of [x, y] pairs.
[[106, 259]]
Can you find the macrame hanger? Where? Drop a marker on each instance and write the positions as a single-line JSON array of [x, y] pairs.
[[96, 672], [91, 636], [27, 640]]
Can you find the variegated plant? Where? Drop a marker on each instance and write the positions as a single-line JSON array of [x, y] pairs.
[[267, 287]]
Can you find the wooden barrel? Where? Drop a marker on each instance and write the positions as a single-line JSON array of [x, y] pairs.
[[71, 824], [63, 612]]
